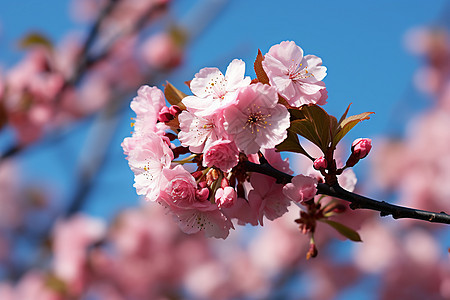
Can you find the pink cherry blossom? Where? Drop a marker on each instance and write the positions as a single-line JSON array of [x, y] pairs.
[[302, 188], [347, 180], [199, 133], [256, 120], [148, 156], [242, 212], [222, 154], [267, 198], [179, 195], [147, 104], [296, 77], [214, 91]]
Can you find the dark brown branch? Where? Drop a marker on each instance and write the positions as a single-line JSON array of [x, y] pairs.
[[357, 201]]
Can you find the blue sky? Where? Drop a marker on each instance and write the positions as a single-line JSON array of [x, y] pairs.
[[360, 42]]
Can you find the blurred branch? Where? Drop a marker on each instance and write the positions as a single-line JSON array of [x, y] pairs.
[[356, 201], [83, 57]]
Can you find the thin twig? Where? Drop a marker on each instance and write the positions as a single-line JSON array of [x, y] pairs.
[[357, 201]]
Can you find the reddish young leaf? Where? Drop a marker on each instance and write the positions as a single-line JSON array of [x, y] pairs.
[[173, 95], [259, 70]]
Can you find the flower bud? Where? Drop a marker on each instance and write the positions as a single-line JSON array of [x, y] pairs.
[[361, 147], [224, 183], [225, 197], [202, 194], [197, 174], [164, 115], [212, 176], [312, 252], [320, 163], [175, 110]]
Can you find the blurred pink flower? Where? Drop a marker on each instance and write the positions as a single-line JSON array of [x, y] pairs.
[[161, 51], [256, 120], [267, 198], [296, 77], [302, 188], [32, 286], [71, 239]]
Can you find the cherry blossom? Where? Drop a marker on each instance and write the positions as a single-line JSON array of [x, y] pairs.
[[199, 133], [223, 154], [301, 189], [267, 198], [296, 77], [147, 104], [225, 197], [256, 120], [214, 91], [147, 157], [180, 195]]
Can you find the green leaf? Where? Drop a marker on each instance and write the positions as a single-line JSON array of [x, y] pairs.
[[347, 124], [259, 70], [343, 230], [313, 123], [179, 35], [35, 39], [321, 121], [292, 144], [306, 129], [173, 95]]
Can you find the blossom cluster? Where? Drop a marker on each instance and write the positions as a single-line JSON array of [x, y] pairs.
[[228, 120]]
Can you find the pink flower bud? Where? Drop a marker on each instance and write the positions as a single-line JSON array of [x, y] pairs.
[[320, 163], [312, 252], [224, 183], [225, 197], [361, 147], [202, 194], [175, 110], [164, 115]]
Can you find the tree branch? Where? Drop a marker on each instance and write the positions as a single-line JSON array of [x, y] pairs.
[[357, 201]]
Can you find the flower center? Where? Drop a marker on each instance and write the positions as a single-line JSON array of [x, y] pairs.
[[216, 87], [298, 72], [256, 119]]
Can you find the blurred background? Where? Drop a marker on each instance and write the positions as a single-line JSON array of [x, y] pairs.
[[72, 226]]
